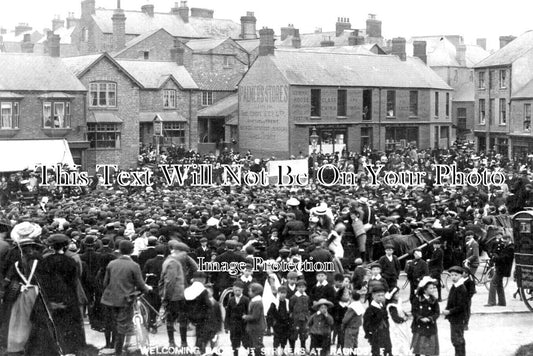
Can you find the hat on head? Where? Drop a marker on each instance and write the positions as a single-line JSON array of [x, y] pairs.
[[456, 269], [292, 274], [321, 209], [425, 281], [89, 241], [282, 289], [293, 202], [238, 284], [374, 265], [179, 246], [322, 301], [25, 233], [203, 239], [388, 246], [301, 282], [58, 239]]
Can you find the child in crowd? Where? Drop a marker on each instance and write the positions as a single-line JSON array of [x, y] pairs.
[[376, 281], [281, 322], [292, 277], [352, 321], [398, 329], [255, 320], [322, 289], [376, 324], [247, 278], [299, 312], [320, 325], [338, 311], [234, 323], [470, 286], [457, 310], [426, 311]]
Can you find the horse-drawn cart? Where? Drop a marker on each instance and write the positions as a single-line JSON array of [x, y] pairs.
[[523, 240]]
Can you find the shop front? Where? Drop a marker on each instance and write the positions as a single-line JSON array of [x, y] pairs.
[[400, 137], [328, 139]]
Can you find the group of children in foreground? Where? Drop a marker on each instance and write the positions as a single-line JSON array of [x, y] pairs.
[[336, 312]]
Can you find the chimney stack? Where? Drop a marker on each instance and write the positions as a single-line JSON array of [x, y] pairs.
[[343, 23], [57, 23], [248, 30], [148, 9], [482, 42], [266, 41], [373, 26], [182, 11], [505, 40], [119, 29], [71, 20], [21, 28], [88, 8], [420, 50], [203, 13], [53, 43], [287, 31], [27, 45], [398, 48], [355, 39], [327, 42], [296, 40], [461, 55], [177, 53]]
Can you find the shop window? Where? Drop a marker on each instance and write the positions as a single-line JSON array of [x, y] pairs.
[[102, 135], [174, 132]]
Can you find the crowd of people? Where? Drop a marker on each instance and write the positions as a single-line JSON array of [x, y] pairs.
[[73, 253]]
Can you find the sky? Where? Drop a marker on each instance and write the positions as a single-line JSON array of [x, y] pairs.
[[401, 18]]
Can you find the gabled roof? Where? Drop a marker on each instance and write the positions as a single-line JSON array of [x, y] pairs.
[[222, 108], [137, 23], [217, 81], [509, 53], [205, 45], [339, 69], [40, 73], [139, 39], [79, 65], [248, 45], [152, 74]]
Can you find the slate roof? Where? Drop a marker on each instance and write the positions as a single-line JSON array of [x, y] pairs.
[[222, 108], [248, 45], [39, 73], [137, 23], [363, 49], [205, 45], [217, 81], [525, 92], [441, 52], [339, 69], [78, 64], [314, 39], [152, 74], [64, 34], [139, 39], [510, 53]]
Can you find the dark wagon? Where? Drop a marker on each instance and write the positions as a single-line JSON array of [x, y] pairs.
[[523, 239]]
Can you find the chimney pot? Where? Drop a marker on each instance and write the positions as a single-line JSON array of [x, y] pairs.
[[182, 11], [88, 8], [398, 48], [420, 50], [203, 13], [57, 23], [53, 43], [266, 42], [21, 28], [342, 24], [327, 42], [26, 45], [248, 29]]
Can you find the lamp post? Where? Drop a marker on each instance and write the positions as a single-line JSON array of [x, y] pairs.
[[158, 132]]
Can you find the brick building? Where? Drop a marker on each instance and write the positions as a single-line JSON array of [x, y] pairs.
[[99, 28], [503, 90], [124, 98], [41, 102], [350, 101], [453, 61]]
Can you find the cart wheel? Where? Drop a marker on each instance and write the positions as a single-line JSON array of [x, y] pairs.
[[527, 297]]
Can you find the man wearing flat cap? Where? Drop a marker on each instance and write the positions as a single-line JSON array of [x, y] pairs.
[[223, 280], [123, 277]]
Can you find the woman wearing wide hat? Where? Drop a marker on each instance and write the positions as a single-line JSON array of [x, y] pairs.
[[425, 312]]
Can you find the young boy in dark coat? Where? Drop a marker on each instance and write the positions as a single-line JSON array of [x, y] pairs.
[[320, 325], [376, 324], [279, 313], [299, 305], [457, 310], [322, 289], [234, 323]]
